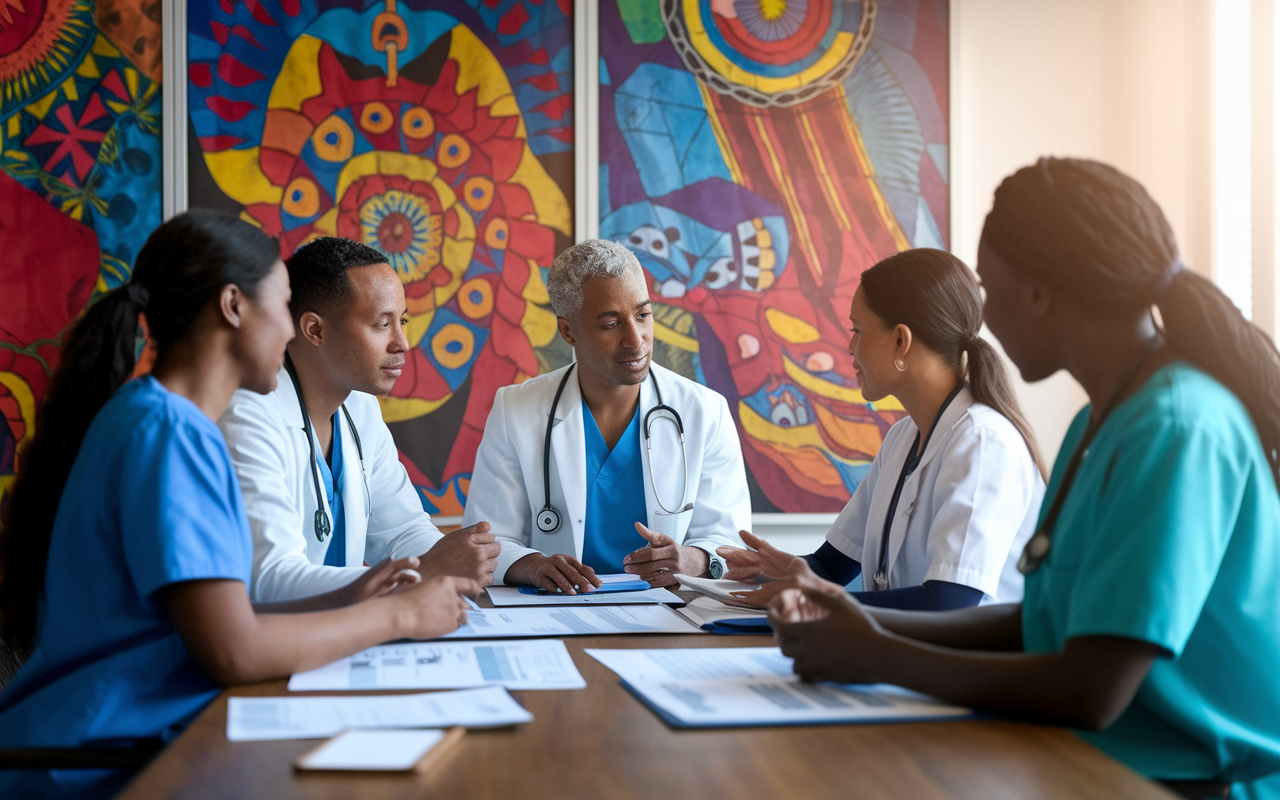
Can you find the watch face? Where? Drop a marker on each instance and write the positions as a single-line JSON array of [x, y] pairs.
[[716, 568]]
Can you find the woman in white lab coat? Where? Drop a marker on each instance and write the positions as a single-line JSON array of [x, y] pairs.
[[941, 517]]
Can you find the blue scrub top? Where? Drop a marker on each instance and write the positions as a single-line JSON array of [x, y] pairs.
[[1171, 535], [615, 496], [336, 555], [152, 499]]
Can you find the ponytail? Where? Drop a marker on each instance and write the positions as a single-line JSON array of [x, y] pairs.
[[989, 384], [1096, 235], [97, 357], [1202, 326], [183, 265], [935, 295]]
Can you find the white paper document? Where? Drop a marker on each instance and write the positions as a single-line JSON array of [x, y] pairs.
[[754, 686], [541, 664], [694, 663], [251, 719], [373, 750], [720, 589], [511, 596], [505, 623], [708, 610]]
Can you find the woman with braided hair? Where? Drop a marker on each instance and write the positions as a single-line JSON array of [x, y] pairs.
[[1151, 615], [952, 496]]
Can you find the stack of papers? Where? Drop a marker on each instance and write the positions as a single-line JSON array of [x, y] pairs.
[[714, 616], [543, 664], [507, 623], [251, 719], [754, 686]]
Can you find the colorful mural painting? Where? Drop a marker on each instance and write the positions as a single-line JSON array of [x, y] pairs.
[[438, 132], [758, 155], [79, 178]]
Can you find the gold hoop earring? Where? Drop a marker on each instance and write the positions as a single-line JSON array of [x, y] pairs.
[[900, 364]]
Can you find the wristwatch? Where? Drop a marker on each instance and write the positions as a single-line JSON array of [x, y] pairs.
[[716, 566]]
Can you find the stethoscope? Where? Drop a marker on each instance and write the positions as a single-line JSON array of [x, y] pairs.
[[1037, 547], [548, 519], [881, 577], [321, 523]]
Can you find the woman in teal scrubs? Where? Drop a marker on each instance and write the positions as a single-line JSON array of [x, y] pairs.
[[126, 550], [1151, 615]]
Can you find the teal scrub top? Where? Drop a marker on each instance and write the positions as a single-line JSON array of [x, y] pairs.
[[152, 499], [336, 555], [1171, 535], [615, 496]]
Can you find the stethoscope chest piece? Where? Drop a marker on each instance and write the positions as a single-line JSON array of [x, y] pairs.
[[548, 520], [1034, 553], [321, 523]]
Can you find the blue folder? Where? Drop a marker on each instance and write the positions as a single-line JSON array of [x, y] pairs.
[[746, 626]]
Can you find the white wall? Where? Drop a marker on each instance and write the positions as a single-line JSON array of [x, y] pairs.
[[1122, 81]]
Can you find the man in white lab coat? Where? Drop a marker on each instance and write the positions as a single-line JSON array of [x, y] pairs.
[[323, 485], [613, 463]]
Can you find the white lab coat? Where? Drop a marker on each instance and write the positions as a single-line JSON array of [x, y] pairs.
[[507, 485], [964, 514], [273, 462]]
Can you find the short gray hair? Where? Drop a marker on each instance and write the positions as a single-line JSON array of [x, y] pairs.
[[594, 258]]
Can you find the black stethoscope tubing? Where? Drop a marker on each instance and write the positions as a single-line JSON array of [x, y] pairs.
[[548, 519], [881, 577], [321, 520]]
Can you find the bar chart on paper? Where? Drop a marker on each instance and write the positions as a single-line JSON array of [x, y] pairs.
[[753, 687], [501, 623], [541, 664]]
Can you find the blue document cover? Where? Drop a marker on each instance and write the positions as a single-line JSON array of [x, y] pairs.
[[621, 582]]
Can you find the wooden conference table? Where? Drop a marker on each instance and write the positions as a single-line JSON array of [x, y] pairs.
[[600, 742]]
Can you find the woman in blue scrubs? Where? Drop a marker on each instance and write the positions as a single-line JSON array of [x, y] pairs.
[[1151, 614], [126, 550]]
